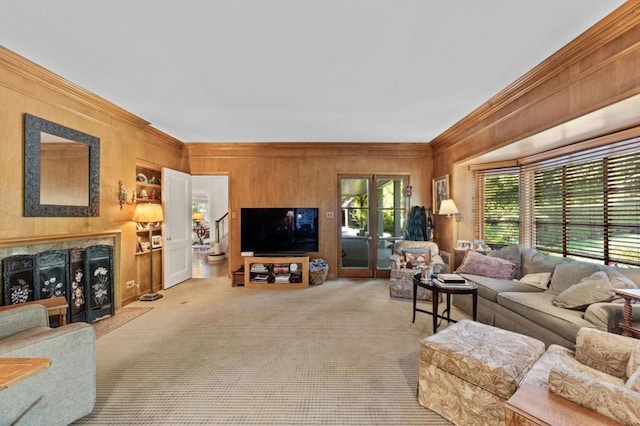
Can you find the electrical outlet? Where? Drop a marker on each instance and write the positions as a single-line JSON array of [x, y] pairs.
[[131, 284], [329, 215]]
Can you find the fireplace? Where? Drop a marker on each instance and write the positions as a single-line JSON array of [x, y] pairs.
[[81, 270]]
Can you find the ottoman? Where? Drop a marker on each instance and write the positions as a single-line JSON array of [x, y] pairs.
[[467, 372]]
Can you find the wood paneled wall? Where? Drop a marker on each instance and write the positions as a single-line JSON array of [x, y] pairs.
[[306, 175], [28, 88], [597, 69]]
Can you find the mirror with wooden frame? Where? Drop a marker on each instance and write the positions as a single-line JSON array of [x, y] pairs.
[[61, 170]]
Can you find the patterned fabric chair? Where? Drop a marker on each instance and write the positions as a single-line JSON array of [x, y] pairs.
[[603, 374], [401, 283]]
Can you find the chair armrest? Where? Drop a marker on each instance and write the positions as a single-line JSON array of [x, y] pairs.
[[614, 401], [437, 263], [395, 261], [604, 351], [21, 318]]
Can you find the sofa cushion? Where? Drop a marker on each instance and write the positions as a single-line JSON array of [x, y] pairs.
[[540, 280], [416, 257], [634, 361], [538, 308], [479, 264], [567, 274], [599, 314], [512, 254], [594, 288], [489, 288], [534, 261]]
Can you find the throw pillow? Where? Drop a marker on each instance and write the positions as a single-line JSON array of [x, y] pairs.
[[486, 266], [510, 253], [416, 260], [567, 274], [539, 280], [618, 279], [591, 289]]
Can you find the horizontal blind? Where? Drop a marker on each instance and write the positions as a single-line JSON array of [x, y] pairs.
[[500, 207], [585, 205]]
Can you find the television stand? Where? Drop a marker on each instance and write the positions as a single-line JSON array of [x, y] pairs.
[[290, 272]]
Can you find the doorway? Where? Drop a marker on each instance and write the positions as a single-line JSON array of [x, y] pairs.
[[373, 214], [210, 198]]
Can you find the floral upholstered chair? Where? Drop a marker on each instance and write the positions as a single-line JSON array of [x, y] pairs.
[[408, 259]]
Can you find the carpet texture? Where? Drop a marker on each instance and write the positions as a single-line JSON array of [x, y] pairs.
[[342, 353], [121, 317]]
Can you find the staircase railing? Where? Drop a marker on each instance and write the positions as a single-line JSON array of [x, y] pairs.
[[222, 227]]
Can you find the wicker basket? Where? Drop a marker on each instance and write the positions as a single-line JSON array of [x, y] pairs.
[[318, 270]]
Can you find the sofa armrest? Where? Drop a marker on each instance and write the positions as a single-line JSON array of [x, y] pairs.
[[604, 351], [21, 318], [60, 394], [614, 401]]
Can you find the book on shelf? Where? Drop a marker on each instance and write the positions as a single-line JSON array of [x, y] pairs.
[[283, 278], [450, 278]]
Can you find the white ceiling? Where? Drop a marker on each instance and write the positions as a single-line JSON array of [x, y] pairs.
[[295, 70]]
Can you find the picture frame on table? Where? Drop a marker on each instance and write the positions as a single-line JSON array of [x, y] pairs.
[[156, 241], [440, 191], [464, 245]]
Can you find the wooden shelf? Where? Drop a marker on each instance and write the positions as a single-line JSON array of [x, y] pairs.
[[302, 263]]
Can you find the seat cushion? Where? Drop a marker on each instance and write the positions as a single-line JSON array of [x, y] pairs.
[[489, 288], [462, 350], [538, 308]]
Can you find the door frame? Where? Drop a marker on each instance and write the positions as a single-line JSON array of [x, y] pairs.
[[373, 269]]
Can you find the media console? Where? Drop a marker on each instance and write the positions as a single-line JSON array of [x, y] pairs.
[[290, 272]]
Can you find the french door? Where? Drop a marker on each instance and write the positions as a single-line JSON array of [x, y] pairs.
[[373, 214]]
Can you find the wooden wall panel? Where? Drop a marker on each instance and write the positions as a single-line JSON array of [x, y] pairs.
[[124, 138], [303, 174]]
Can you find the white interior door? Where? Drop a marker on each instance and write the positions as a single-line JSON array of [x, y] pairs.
[[176, 193]]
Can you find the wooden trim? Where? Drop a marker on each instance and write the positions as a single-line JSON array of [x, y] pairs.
[[581, 146], [307, 149], [496, 165], [608, 29]]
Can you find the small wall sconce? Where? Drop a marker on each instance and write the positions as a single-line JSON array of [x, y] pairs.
[[449, 208], [122, 195]]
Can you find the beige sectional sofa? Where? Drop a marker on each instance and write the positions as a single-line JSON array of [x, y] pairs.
[[540, 311]]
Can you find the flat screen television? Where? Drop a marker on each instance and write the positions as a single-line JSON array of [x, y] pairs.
[[278, 230]]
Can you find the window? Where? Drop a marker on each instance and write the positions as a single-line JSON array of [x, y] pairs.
[[498, 206], [586, 205]]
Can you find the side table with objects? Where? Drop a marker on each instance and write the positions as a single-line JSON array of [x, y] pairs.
[[436, 286], [629, 328]]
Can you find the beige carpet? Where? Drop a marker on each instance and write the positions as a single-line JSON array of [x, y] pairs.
[[343, 353]]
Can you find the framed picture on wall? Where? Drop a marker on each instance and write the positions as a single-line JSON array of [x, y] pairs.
[[439, 192]]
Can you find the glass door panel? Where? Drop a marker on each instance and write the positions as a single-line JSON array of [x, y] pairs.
[[373, 213]]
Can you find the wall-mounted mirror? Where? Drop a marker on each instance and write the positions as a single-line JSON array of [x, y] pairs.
[[61, 170]]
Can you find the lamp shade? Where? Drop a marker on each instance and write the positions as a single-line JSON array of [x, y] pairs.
[[448, 207], [148, 212], [197, 216]]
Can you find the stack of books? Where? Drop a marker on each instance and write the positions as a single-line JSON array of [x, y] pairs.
[[450, 280]]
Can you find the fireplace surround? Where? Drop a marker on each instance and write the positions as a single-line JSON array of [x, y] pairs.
[[80, 267]]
